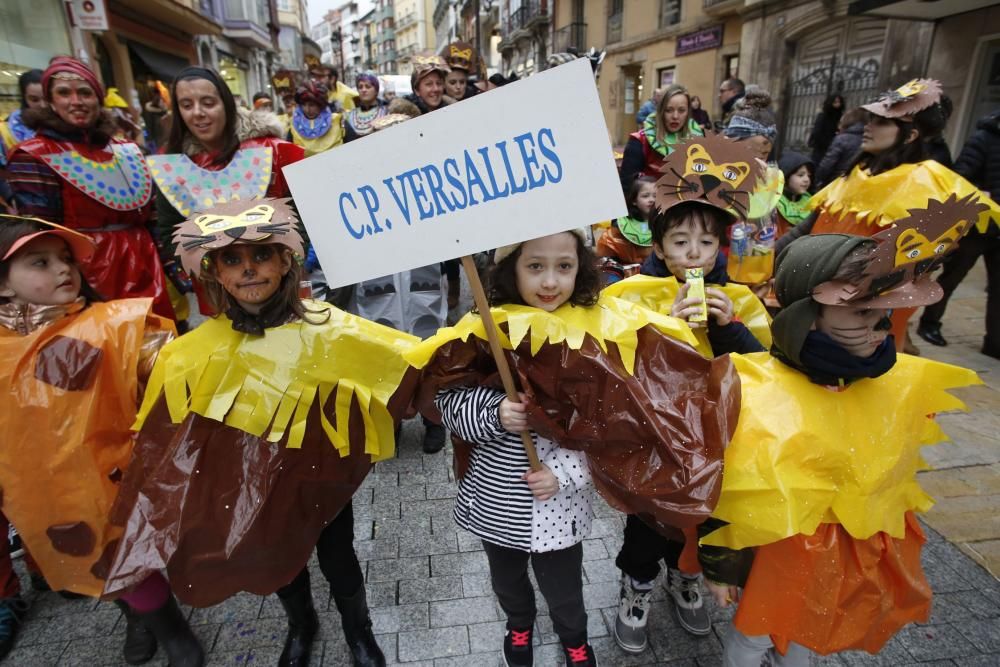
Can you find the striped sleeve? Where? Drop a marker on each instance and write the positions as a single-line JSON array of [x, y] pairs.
[[37, 189], [472, 413]]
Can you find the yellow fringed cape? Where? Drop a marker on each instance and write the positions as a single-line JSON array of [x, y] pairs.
[[859, 199], [610, 320], [658, 294], [804, 455], [266, 384]]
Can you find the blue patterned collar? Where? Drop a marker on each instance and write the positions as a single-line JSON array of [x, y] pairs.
[[312, 129]]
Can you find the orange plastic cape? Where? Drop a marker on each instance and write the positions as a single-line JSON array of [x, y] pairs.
[[831, 592], [804, 455], [861, 204], [658, 294], [70, 393]]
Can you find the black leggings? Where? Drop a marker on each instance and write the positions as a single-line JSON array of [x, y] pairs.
[[337, 559], [560, 579], [642, 550]]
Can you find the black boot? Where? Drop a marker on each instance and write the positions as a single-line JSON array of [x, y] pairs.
[[303, 624], [174, 634], [434, 436], [931, 332], [358, 630], [140, 643]]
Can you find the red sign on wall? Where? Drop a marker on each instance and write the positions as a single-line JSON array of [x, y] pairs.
[[709, 38]]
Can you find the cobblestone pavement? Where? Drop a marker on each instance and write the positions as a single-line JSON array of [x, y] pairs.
[[429, 589]]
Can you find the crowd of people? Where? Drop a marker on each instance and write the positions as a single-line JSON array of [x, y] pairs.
[[744, 317]]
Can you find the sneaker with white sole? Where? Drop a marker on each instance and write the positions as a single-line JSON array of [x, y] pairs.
[[633, 614], [689, 604]]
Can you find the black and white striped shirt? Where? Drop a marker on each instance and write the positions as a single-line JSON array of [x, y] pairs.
[[494, 501]]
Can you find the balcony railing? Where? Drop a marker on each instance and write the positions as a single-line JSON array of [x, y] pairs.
[[385, 35], [572, 36], [528, 15], [407, 51], [406, 20]]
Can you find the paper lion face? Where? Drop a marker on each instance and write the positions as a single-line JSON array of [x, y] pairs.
[[714, 170], [261, 221]]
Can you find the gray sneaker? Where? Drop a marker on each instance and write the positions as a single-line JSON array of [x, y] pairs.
[[685, 590], [633, 613]]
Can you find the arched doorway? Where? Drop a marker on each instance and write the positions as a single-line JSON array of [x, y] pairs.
[[844, 58]]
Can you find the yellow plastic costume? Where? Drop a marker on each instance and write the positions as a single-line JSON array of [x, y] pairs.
[[70, 390], [267, 384], [658, 294], [343, 95], [789, 470], [610, 320], [334, 137], [861, 204]]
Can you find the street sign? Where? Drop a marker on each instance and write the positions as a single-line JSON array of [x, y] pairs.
[[525, 160]]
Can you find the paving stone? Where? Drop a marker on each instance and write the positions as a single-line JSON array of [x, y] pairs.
[[433, 643], [601, 570], [991, 660], [248, 634], [594, 549], [448, 613], [476, 585], [400, 465], [40, 655], [430, 589], [442, 490], [395, 569], [68, 627], [418, 525], [426, 545], [479, 659], [960, 605], [488, 637], [415, 492], [444, 523], [600, 594], [242, 606], [461, 563], [431, 508], [984, 633], [400, 617], [378, 510], [380, 593], [936, 642], [468, 542]]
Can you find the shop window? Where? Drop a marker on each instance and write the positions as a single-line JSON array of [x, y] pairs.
[[615, 11], [666, 76], [670, 13]]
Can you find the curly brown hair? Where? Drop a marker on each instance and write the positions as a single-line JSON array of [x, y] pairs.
[[501, 281]]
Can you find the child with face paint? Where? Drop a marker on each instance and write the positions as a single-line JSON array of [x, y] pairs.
[[558, 333], [688, 230], [257, 428], [814, 534], [83, 365]]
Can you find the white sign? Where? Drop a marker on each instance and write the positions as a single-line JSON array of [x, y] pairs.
[[89, 14], [526, 160]]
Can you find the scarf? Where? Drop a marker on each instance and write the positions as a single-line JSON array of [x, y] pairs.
[[794, 210], [312, 129], [273, 313], [670, 139], [827, 363]]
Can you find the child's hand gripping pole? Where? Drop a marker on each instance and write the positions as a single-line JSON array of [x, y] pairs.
[[479, 296]]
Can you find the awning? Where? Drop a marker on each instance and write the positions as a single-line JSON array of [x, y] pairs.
[[160, 64], [921, 10]]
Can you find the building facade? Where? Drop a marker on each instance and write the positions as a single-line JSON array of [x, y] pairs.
[[385, 37], [414, 31]]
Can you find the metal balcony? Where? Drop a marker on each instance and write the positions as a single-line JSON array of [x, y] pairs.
[[572, 36], [722, 7]]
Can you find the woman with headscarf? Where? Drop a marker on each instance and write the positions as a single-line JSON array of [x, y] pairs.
[[367, 109], [314, 126], [891, 175], [427, 81], [463, 60], [661, 131], [74, 173], [214, 147]]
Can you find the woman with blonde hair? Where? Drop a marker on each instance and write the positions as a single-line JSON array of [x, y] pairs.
[[661, 131]]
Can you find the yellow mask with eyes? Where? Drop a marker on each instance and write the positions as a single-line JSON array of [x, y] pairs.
[[218, 224], [912, 246]]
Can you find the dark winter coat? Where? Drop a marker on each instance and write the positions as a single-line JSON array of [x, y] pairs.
[[979, 161], [840, 155]]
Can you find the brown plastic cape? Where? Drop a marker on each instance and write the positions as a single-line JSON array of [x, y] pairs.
[[654, 437], [70, 392], [223, 509]]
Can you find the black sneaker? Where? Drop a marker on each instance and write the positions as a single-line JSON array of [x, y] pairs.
[[579, 656], [517, 650], [434, 436]]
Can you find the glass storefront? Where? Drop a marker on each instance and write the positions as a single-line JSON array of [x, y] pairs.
[[31, 32], [234, 73]]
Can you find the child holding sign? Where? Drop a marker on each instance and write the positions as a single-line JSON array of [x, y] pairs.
[[521, 515], [688, 227]]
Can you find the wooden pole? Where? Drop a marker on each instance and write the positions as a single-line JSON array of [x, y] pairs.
[[479, 296]]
